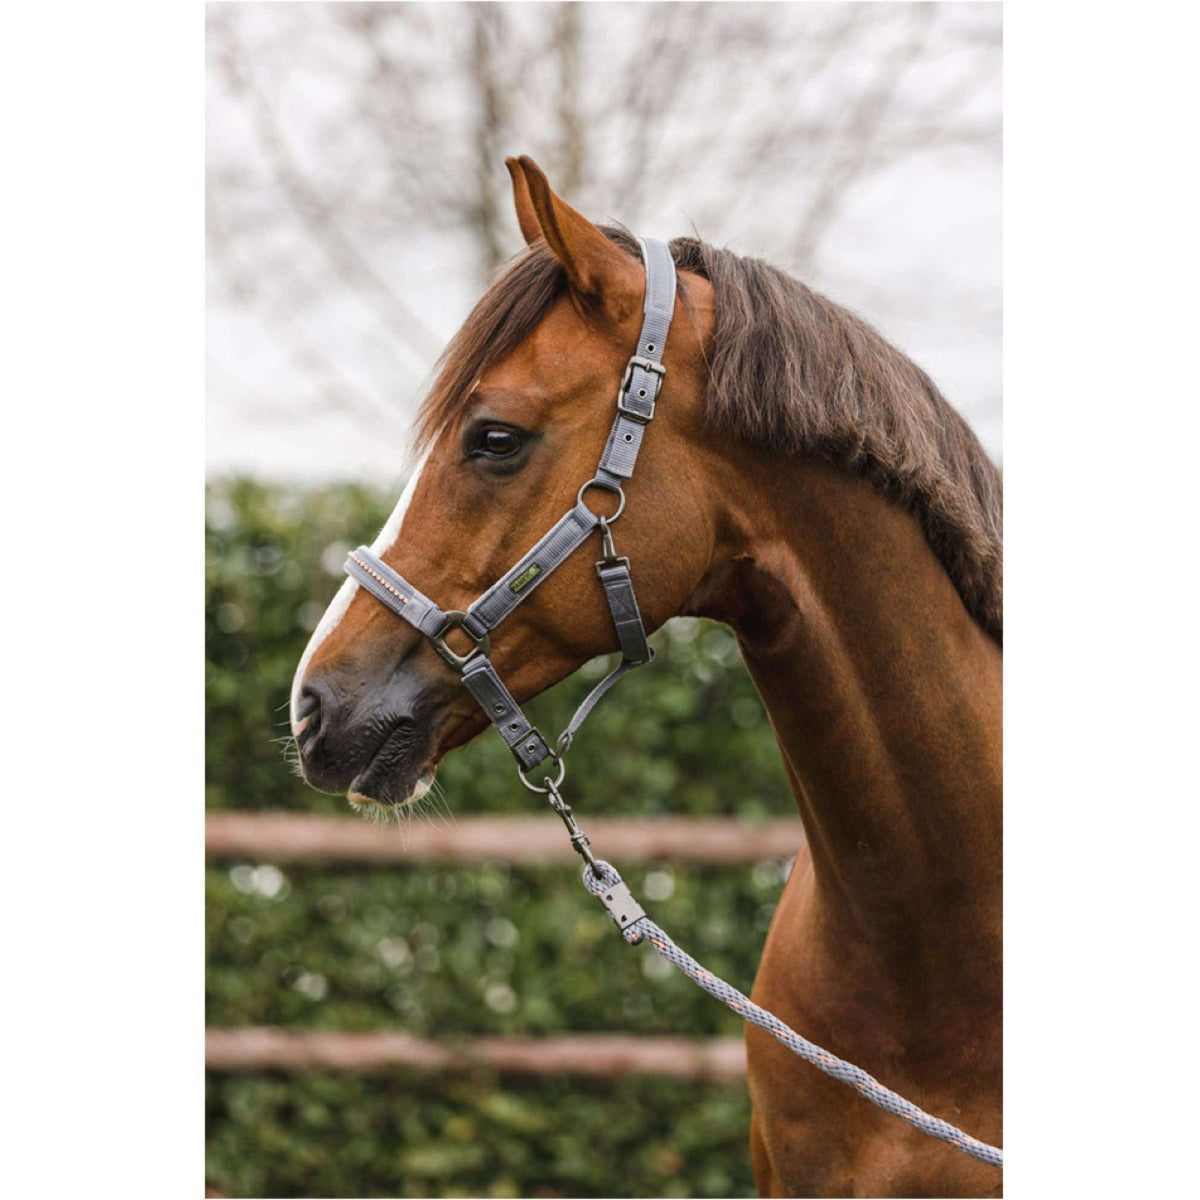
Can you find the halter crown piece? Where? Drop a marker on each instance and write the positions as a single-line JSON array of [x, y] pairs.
[[636, 398]]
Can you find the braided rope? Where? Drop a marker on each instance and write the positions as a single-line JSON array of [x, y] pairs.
[[855, 1077]]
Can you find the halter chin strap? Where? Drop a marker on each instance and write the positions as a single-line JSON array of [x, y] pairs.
[[636, 399]]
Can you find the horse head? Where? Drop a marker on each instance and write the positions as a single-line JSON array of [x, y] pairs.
[[514, 424]]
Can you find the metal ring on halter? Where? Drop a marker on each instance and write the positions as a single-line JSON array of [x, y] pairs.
[[544, 789], [607, 488]]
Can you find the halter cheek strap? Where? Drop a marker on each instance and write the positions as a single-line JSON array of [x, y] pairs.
[[636, 399]]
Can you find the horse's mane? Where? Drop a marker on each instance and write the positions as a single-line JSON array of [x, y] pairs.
[[794, 372]]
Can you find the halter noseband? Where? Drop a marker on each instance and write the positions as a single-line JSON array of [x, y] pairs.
[[636, 398]]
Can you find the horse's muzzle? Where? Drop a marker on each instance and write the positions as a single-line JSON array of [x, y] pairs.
[[374, 741]]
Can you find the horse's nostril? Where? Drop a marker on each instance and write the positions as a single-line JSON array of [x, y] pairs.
[[308, 717]]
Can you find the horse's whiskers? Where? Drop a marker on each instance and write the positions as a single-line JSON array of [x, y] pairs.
[[291, 754]]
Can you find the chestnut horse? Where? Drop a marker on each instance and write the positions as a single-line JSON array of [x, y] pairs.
[[805, 483]]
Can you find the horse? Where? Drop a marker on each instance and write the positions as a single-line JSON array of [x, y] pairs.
[[807, 484]]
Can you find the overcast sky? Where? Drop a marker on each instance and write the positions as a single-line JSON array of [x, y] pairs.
[[315, 367]]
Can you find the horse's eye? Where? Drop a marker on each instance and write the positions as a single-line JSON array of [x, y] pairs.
[[499, 443], [497, 448]]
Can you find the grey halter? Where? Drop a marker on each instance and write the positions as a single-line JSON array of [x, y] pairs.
[[636, 399]]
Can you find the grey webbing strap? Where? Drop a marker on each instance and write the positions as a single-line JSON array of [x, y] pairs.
[[644, 374], [567, 535], [480, 677], [631, 634], [393, 590], [504, 712], [593, 698], [622, 604]]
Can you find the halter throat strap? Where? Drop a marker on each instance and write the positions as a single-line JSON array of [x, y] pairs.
[[636, 400]]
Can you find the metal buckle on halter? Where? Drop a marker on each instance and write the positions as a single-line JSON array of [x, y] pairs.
[[656, 369], [457, 620]]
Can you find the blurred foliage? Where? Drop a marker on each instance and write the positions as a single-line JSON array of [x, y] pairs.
[[451, 951], [485, 948], [475, 1135]]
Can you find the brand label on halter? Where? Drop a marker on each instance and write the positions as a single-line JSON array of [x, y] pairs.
[[525, 578]]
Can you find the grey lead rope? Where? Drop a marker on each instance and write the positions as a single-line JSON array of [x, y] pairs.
[[604, 882]]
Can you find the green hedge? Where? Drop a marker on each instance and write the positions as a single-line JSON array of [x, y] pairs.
[[476, 1135], [473, 949], [481, 948]]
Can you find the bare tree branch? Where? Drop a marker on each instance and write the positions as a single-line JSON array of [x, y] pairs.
[[860, 135], [382, 125], [309, 206]]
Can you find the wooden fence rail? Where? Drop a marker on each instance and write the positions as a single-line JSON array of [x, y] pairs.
[[282, 837], [259, 1049]]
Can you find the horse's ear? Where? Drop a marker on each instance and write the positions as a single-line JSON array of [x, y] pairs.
[[526, 216], [597, 269]]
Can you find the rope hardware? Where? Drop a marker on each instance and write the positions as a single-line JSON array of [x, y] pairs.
[[637, 398]]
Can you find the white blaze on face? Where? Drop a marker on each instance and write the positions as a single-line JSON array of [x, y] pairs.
[[341, 601]]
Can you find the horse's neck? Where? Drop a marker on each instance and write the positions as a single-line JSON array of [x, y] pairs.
[[885, 699]]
